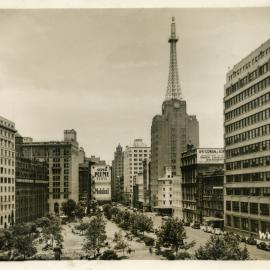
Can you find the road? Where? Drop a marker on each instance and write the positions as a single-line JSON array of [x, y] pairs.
[[201, 237]]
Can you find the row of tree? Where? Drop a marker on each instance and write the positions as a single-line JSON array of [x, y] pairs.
[[137, 223], [19, 238]]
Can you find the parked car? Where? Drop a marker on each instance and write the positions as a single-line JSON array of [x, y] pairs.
[[218, 231], [165, 218], [186, 223], [251, 241], [196, 225], [264, 246]]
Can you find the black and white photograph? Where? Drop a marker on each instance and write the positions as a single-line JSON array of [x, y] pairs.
[[135, 134]]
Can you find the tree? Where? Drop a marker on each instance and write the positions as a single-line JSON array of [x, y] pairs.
[[79, 211], [22, 239], [107, 211], [121, 243], [51, 230], [109, 255], [68, 208], [82, 227], [142, 223], [95, 234], [226, 247], [172, 234]]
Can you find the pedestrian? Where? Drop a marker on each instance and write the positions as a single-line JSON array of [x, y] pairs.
[[150, 250]]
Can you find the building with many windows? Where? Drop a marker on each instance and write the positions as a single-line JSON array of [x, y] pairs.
[[133, 165], [202, 184], [63, 161], [32, 186], [247, 144], [118, 175], [171, 132], [7, 172]]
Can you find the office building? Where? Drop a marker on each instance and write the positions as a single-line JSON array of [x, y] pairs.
[[133, 165], [7, 172], [118, 175], [171, 132], [202, 184], [247, 144], [63, 161], [32, 186]]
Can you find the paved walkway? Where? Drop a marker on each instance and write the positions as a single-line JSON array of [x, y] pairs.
[[141, 250]]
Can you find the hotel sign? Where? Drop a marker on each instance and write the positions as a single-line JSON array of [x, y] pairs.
[[210, 156]]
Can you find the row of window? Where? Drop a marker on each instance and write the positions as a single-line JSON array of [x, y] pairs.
[[258, 102], [250, 120], [7, 171], [8, 198], [251, 148], [5, 133], [243, 223], [245, 207], [7, 161], [247, 79], [254, 89], [6, 153], [263, 191], [248, 135], [7, 180], [261, 54], [6, 143], [7, 189], [248, 177], [248, 163]]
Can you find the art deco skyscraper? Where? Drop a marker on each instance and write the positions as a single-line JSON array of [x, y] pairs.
[[171, 132]]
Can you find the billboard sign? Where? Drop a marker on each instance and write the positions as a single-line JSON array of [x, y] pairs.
[[210, 156]]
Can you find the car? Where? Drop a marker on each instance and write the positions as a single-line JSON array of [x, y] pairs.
[[187, 223], [196, 225], [251, 241], [165, 218], [264, 246], [218, 231]]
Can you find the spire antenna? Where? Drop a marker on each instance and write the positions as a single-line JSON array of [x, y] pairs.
[[173, 88]]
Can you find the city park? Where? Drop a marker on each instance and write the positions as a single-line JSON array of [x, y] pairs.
[[112, 232]]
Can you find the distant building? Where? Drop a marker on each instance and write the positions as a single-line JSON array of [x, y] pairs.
[[118, 175], [133, 165], [63, 160], [202, 184], [146, 183], [85, 182], [138, 191], [101, 183], [171, 132], [32, 186], [7, 172], [247, 144]]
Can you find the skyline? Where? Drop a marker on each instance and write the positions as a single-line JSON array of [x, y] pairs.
[[47, 55]]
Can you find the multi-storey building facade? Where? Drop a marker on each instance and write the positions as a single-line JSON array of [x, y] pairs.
[[197, 194], [247, 145], [84, 183], [165, 192], [118, 175], [146, 183], [101, 182], [7, 172], [63, 161], [171, 132], [32, 186], [133, 165]]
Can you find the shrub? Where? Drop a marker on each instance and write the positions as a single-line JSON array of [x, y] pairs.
[[168, 254], [109, 255], [183, 256], [149, 241]]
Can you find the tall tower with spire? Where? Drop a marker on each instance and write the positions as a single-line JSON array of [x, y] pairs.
[[170, 133], [173, 88]]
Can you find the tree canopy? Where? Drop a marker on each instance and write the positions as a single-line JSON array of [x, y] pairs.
[[226, 247]]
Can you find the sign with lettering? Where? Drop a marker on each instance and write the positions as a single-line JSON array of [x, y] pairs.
[[210, 156]]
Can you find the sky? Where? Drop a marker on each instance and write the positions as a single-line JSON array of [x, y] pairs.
[[104, 72]]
